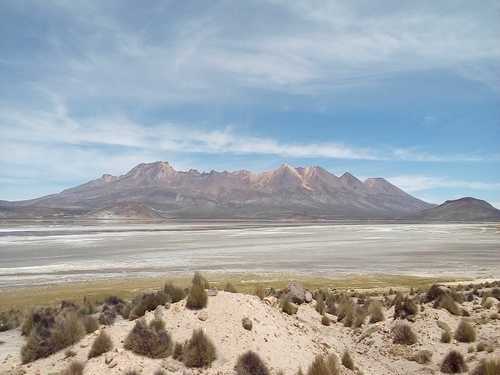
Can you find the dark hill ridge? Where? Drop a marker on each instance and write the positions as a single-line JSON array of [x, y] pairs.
[[463, 209], [287, 192]]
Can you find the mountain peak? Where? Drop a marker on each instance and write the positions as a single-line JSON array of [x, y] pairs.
[[157, 170]]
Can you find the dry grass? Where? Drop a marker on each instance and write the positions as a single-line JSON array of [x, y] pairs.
[[108, 315], [446, 337], [487, 367], [453, 363], [422, 357], [465, 332], [376, 312], [347, 361], [320, 305], [199, 351], [197, 298], [101, 345], [448, 303], [230, 288], [198, 279], [260, 292], [403, 334], [90, 323], [176, 293], [147, 302], [250, 363], [288, 308], [149, 340]]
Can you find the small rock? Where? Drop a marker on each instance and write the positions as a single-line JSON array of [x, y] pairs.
[[247, 323], [308, 297], [203, 315]]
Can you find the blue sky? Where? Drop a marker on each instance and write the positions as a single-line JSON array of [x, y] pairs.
[[409, 91]]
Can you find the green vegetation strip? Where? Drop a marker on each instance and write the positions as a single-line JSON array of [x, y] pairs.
[[24, 298]]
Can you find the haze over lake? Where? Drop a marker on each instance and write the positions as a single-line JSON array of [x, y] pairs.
[[33, 255]]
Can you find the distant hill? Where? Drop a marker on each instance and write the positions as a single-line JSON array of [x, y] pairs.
[[463, 209], [157, 189]]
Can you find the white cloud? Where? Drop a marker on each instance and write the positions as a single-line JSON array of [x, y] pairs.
[[417, 183]]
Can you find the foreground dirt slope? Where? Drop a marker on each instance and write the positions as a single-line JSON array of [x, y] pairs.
[[284, 342]]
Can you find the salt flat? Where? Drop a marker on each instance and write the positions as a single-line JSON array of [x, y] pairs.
[[37, 254]]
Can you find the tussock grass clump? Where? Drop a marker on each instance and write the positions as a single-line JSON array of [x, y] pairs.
[[147, 302], [88, 307], [347, 361], [465, 332], [230, 288], [448, 303], [101, 345], [176, 293], [320, 305], [287, 307], [325, 320], [200, 280], [446, 337], [376, 312], [404, 307], [331, 307], [250, 363], [107, 316], [422, 357], [159, 372], [151, 340], [359, 317], [345, 313], [403, 334], [178, 350], [74, 368], [90, 323], [10, 319], [199, 351], [131, 372], [487, 367], [197, 298], [435, 292], [323, 366], [453, 363], [260, 292], [44, 340], [41, 320]]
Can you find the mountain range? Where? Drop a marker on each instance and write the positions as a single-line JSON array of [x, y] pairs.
[[157, 190]]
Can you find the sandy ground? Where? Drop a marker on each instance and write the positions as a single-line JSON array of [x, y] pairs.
[[284, 342]]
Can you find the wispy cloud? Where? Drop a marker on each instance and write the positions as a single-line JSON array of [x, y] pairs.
[[417, 183]]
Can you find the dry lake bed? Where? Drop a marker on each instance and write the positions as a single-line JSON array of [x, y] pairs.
[[37, 254]]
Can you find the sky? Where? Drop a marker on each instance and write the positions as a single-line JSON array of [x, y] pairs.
[[405, 90]]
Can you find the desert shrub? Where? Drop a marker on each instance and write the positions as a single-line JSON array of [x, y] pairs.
[[318, 367], [422, 357], [101, 345], [359, 317], [347, 361], [434, 293], [453, 363], [199, 351], [345, 309], [176, 293], [40, 320], [487, 367], [74, 368], [288, 307], [250, 363], [90, 323], [198, 279], [320, 305], [230, 288], [448, 303], [178, 350], [42, 341], [376, 312], [68, 305], [332, 363], [404, 308], [465, 332], [446, 337], [88, 307], [247, 323], [107, 316], [147, 302], [151, 340], [403, 334], [325, 320], [9, 320], [67, 330], [260, 291], [331, 307], [197, 298]]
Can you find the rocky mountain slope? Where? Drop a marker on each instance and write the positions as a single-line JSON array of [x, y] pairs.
[[287, 192], [463, 209]]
